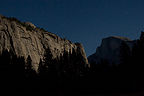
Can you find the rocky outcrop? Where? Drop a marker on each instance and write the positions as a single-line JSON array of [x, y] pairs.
[[109, 50], [25, 39]]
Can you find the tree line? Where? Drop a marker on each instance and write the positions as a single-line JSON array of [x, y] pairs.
[[70, 69], [126, 76]]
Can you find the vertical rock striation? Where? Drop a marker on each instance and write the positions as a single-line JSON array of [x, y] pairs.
[[25, 39]]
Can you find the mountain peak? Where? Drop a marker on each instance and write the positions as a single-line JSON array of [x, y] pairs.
[[109, 49], [118, 37]]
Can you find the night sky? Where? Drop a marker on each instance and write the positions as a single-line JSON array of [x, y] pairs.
[[84, 21]]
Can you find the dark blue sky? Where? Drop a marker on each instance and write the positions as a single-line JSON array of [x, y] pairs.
[[85, 21]]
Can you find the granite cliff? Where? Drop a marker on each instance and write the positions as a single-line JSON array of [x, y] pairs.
[[25, 39]]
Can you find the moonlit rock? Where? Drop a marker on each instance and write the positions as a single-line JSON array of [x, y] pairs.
[[109, 50], [15, 36]]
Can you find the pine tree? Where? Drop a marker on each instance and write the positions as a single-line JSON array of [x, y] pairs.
[[29, 72], [47, 68], [42, 69], [125, 54], [125, 64], [138, 60]]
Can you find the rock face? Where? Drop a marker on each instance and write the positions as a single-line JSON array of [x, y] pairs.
[[109, 50], [24, 39]]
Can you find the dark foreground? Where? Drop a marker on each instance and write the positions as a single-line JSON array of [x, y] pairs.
[[57, 87]]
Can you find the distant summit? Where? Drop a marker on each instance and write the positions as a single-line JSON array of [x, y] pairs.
[[119, 37], [109, 50]]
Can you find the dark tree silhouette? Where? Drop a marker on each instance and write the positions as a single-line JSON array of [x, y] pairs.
[[47, 68], [125, 54], [29, 72], [11, 66], [138, 62]]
